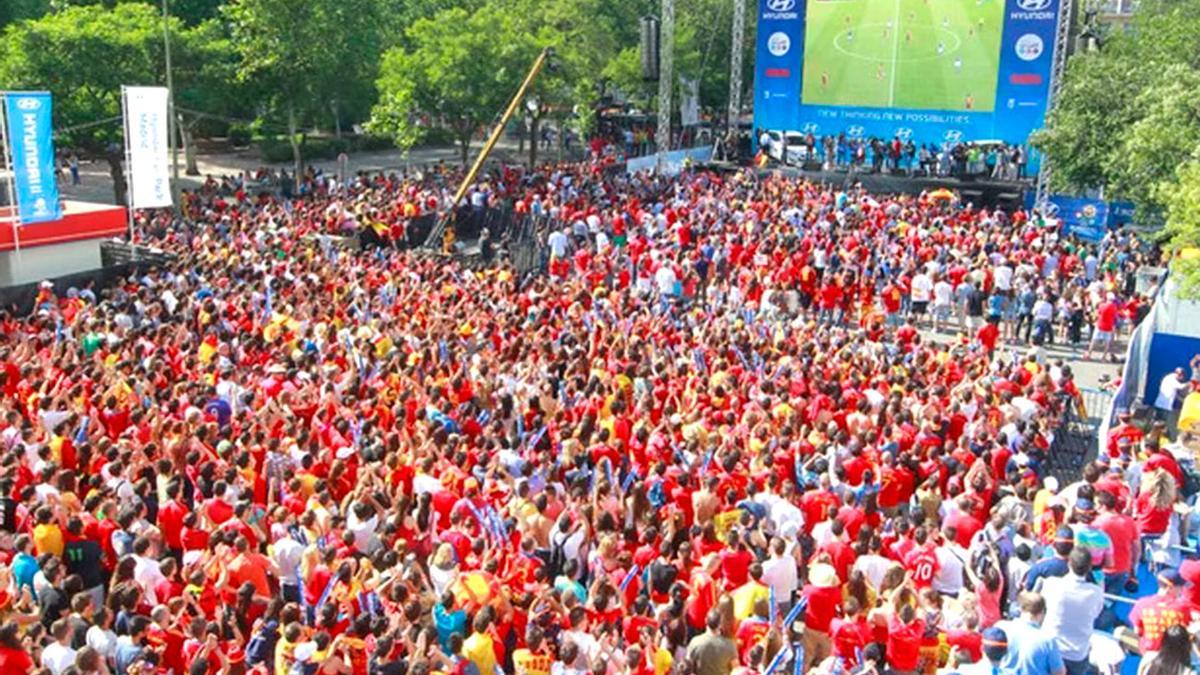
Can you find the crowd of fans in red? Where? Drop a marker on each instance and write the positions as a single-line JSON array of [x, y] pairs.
[[715, 414]]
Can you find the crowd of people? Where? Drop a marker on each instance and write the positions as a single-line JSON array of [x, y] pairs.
[[901, 155], [713, 436]]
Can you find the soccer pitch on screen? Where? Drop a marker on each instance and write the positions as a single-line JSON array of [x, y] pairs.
[[922, 54]]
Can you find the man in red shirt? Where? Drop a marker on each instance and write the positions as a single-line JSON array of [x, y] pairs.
[[170, 520], [824, 595], [921, 562], [1153, 614], [1122, 530], [1106, 325], [905, 631]]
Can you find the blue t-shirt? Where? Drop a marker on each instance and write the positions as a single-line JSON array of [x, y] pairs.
[[448, 623], [1031, 651], [1047, 567]]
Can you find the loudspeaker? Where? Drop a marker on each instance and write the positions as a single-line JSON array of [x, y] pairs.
[[649, 48]]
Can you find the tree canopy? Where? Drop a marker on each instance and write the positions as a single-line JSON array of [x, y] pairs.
[[83, 55], [1128, 121]]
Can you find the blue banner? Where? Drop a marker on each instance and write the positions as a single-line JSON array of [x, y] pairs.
[[1087, 219], [30, 137], [957, 70]]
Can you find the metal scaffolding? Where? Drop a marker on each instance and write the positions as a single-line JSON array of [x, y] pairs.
[[1058, 67], [666, 78], [735, 64]]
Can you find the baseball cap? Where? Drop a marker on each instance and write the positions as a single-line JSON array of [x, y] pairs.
[[995, 643]]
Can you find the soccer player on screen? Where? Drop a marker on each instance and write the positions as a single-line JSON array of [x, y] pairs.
[[969, 104], [824, 80], [958, 64], [908, 36], [941, 48], [880, 73]]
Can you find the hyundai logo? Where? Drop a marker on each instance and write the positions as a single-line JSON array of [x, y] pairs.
[[855, 131], [953, 135], [904, 133], [1033, 5], [25, 103], [787, 5], [811, 128]]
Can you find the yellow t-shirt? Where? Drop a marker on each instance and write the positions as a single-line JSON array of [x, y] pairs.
[[48, 539], [746, 596], [480, 650]]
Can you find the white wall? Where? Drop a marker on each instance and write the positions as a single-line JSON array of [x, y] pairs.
[[36, 263]]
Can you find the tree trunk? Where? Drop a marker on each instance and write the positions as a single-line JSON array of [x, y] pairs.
[[189, 151], [533, 140], [465, 149], [521, 137], [337, 120], [297, 158], [120, 187]]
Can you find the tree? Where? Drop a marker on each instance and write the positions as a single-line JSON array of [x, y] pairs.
[[1127, 120], [12, 11], [83, 55], [461, 69], [310, 60], [1181, 199]]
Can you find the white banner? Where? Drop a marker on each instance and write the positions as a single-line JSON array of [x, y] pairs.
[[146, 146], [689, 102]]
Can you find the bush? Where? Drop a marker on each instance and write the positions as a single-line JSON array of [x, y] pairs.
[[239, 135]]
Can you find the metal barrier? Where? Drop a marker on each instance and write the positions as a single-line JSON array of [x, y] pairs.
[[1076, 435]]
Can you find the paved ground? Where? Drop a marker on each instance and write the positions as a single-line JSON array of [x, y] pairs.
[[1087, 373]]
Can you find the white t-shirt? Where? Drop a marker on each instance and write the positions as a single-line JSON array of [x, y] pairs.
[[1168, 392], [949, 577], [1002, 276], [363, 530], [942, 293], [922, 286], [57, 657], [780, 574], [665, 279]]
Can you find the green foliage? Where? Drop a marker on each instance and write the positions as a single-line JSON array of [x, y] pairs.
[[309, 61], [1128, 120], [1181, 199], [12, 11], [462, 67]]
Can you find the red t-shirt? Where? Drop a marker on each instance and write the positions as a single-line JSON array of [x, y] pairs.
[[823, 603], [970, 642], [922, 565], [904, 643], [1106, 316], [1123, 532], [849, 637], [170, 521]]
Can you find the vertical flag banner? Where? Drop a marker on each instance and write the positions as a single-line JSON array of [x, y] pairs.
[[146, 144], [30, 139]]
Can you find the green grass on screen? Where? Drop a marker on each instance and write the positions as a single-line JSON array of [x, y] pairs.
[[923, 54]]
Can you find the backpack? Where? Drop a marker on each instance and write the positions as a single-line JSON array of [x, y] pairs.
[[558, 555], [1191, 479], [261, 648]]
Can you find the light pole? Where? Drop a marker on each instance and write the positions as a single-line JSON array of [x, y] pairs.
[[171, 130]]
